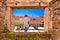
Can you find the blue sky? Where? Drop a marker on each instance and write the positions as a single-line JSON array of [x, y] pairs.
[[29, 12]]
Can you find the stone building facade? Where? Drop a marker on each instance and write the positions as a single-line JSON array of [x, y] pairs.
[[38, 22], [21, 19], [31, 21]]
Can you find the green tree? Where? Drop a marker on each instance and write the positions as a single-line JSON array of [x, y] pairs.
[[19, 26]]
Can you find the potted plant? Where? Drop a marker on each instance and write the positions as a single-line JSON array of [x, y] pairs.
[[19, 26]]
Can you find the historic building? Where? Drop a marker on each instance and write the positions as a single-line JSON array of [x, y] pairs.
[[38, 22], [29, 21], [22, 19]]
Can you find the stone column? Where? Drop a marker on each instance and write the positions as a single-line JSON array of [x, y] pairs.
[[46, 19], [50, 19], [9, 18]]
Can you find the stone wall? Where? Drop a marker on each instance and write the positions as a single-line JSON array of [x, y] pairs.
[[2, 15], [55, 13], [27, 4], [10, 4]]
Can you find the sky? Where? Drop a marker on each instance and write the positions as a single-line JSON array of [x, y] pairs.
[[29, 12]]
